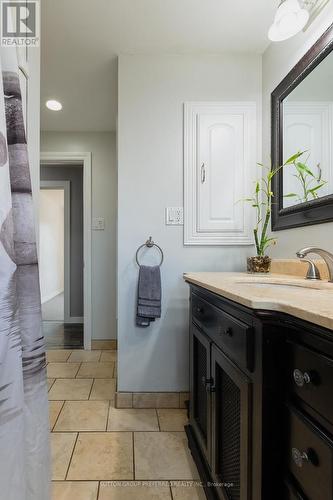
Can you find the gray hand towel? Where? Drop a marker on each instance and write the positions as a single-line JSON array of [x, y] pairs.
[[149, 295]]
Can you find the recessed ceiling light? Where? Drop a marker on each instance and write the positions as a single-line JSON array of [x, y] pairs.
[[289, 20], [53, 105]]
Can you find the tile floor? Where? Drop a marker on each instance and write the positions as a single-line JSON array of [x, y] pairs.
[[100, 452]]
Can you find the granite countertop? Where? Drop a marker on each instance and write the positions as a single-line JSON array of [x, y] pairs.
[[308, 300]]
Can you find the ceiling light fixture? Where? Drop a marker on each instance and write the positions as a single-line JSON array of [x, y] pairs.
[[289, 20], [53, 105]]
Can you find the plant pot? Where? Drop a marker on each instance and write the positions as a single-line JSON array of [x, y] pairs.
[[259, 264]]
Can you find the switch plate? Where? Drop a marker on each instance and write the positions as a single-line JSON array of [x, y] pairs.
[[174, 216], [98, 224]]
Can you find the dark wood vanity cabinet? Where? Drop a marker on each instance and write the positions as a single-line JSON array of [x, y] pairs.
[[261, 402]]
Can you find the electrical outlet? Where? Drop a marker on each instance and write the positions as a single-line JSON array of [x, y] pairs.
[[174, 216], [98, 224]]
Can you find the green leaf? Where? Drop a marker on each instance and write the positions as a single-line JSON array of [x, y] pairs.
[[290, 195], [312, 190], [257, 187], [301, 167], [294, 157]]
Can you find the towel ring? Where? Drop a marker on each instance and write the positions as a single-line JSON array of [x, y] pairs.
[[150, 244]]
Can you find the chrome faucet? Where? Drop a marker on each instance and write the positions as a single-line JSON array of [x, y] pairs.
[[313, 272]]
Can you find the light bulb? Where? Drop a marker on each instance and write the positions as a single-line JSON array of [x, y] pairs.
[[289, 20]]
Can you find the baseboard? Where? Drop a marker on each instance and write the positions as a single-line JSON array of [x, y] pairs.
[[151, 399], [74, 319]]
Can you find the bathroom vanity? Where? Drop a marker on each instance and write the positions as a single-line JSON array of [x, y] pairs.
[[261, 386]]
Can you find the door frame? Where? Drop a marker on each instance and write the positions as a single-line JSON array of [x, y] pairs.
[[80, 159], [65, 185]]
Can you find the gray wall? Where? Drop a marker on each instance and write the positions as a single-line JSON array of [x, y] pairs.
[[75, 176], [152, 90], [278, 60]]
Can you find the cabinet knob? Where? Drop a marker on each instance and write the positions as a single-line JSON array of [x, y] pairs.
[[227, 331], [299, 457], [199, 310], [301, 378]]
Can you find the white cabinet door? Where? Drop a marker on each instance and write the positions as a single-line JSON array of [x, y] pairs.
[[220, 163], [307, 126]]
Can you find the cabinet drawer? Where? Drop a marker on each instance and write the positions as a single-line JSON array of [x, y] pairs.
[[232, 335], [291, 493], [309, 455], [310, 376]]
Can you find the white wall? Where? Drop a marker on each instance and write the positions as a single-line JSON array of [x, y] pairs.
[[152, 90], [278, 60], [51, 249], [104, 204]]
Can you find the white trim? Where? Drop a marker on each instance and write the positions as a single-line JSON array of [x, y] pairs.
[[192, 111], [62, 158], [75, 319], [66, 186]]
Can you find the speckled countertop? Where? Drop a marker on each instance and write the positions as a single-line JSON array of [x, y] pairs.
[[308, 300]]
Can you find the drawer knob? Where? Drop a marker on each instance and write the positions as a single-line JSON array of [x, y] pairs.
[[301, 378], [227, 332], [299, 457], [200, 310]]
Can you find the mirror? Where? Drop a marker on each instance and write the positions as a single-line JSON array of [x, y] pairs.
[[302, 120]]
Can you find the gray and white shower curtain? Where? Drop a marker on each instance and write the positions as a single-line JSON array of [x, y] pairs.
[[24, 433]]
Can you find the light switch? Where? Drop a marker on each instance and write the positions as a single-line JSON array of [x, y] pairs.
[[98, 224], [174, 216]]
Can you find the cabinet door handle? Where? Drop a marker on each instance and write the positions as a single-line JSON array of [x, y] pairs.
[[301, 378], [299, 457], [208, 383], [203, 173]]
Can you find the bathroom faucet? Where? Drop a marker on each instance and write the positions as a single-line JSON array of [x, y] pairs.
[[313, 272]]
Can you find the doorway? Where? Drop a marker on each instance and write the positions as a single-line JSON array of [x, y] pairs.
[[54, 250], [61, 171]]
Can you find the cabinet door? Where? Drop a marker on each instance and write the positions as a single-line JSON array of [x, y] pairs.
[[200, 387], [231, 413], [220, 156]]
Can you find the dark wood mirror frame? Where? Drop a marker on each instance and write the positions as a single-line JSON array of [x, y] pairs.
[[314, 211]]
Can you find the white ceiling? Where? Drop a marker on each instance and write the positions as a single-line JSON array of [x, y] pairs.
[[82, 38]]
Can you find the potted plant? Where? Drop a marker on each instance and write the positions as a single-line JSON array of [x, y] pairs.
[[262, 201]]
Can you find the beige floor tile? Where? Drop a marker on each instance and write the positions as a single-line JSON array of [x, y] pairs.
[[62, 370], [172, 420], [57, 355], [96, 370], [132, 420], [80, 355], [78, 490], [136, 491], [103, 388], [109, 356], [104, 344], [83, 416], [70, 388], [102, 456], [188, 492], [50, 382], [62, 445], [54, 410], [163, 455]]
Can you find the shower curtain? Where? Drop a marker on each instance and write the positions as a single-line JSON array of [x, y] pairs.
[[24, 431]]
